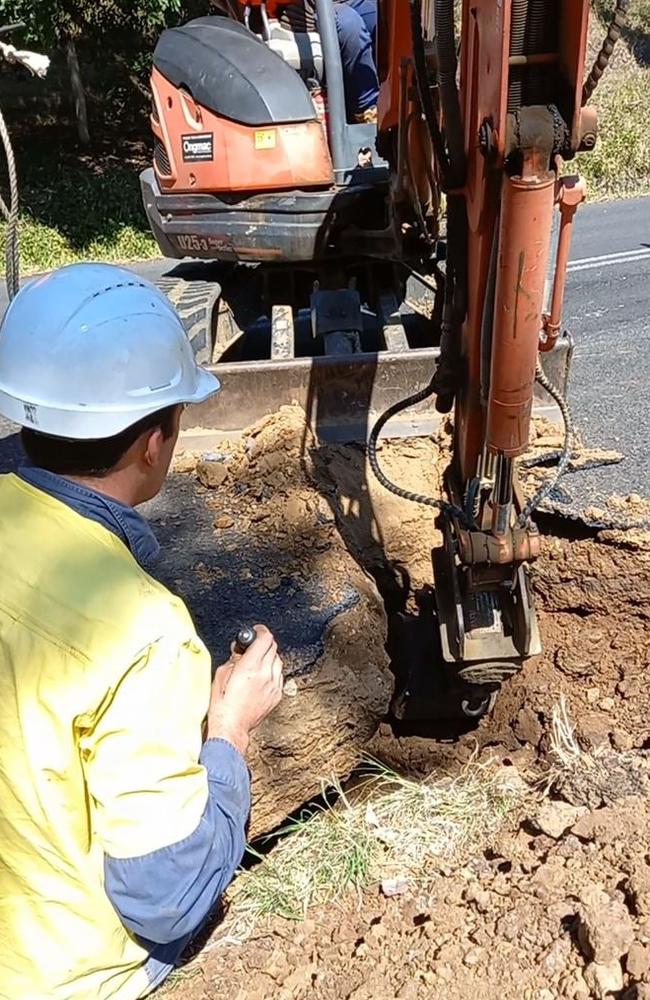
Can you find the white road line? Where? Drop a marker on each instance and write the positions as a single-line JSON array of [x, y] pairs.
[[609, 259], [610, 256]]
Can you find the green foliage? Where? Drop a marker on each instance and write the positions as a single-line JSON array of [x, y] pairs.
[[619, 166], [79, 213], [51, 20]]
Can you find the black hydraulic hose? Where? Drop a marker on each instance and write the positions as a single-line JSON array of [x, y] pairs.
[[424, 93], [447, 69], [403, 404], [336, 113], [619, 18], [565, 455]]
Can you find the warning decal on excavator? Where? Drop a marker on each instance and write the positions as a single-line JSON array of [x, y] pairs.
[[266, 138]]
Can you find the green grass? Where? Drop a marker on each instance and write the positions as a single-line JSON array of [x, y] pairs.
[[79, 208], [619, 166], [395, 828], [44, 247]]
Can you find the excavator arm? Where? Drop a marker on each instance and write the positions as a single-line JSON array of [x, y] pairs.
[[482, 101], [481, 104]]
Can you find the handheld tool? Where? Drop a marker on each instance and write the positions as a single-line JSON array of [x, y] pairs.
[[245, 638]]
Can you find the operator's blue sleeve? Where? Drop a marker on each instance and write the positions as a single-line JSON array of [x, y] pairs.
[[166, 895]]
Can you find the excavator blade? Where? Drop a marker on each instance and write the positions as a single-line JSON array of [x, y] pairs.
[[266, 356]]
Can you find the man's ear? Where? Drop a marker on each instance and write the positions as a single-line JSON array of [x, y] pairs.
[[153, 441]]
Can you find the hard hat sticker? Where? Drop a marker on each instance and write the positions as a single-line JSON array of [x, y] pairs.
[[198, 148], [30, 413], [266, 139]]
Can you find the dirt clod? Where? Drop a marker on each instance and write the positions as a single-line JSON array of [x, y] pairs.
[[605, 929], [527, 726], [638, 960], [604, 980], [211, 474], [555, 818]]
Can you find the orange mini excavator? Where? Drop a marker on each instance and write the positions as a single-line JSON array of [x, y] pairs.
[[241, 120], [482, 101]]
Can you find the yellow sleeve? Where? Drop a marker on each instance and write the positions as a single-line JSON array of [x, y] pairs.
[[146, 787]]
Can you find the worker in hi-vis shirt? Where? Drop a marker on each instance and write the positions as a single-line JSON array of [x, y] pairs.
[[124, 792]]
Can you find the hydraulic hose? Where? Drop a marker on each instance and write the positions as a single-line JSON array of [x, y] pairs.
[[616, 25], [403, 404], [565, 455], [424, 92], [447, 70]]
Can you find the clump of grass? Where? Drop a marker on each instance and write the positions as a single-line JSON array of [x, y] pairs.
[[566, 752], [590, 777], [399, 828], [178, 978], [318, 860]]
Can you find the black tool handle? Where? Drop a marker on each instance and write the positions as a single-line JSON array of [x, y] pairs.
[[245, 638]]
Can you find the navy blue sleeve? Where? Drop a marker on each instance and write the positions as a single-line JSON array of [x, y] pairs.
[[167, 894]]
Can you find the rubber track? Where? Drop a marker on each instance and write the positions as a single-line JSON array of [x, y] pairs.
[[195, 302]]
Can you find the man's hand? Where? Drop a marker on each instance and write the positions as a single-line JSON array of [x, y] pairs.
[[245, 691]]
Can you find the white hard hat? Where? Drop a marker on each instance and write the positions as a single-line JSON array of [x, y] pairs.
[[90, 349]]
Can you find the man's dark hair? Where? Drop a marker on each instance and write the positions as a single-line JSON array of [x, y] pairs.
[[93, 458]]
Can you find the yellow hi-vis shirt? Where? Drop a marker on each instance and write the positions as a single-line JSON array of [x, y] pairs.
[[99, 666]]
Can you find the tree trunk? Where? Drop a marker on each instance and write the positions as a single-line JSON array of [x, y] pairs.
[[78, 92]]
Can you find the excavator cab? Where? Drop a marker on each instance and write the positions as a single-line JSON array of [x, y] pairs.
[[254, 157]]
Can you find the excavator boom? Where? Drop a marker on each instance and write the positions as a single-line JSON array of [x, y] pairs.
[[499, 123]]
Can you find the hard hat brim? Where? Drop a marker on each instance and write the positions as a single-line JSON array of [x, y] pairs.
[[207, 385], [80, 424]]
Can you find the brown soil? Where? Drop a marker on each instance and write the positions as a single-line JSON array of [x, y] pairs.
[[264, 491], [537, 915]]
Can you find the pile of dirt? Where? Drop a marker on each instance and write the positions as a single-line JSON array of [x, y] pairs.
[[557, 905]]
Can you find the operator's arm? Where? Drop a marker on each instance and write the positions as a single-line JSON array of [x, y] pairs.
[[169, 814]]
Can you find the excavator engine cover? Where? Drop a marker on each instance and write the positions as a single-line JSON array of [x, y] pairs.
[[242, 169], [229, 71], [229, 115]]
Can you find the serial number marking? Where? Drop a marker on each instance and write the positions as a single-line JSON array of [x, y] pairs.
[[192, 243]]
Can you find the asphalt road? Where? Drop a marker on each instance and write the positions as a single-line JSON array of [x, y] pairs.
[[608, 312]]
